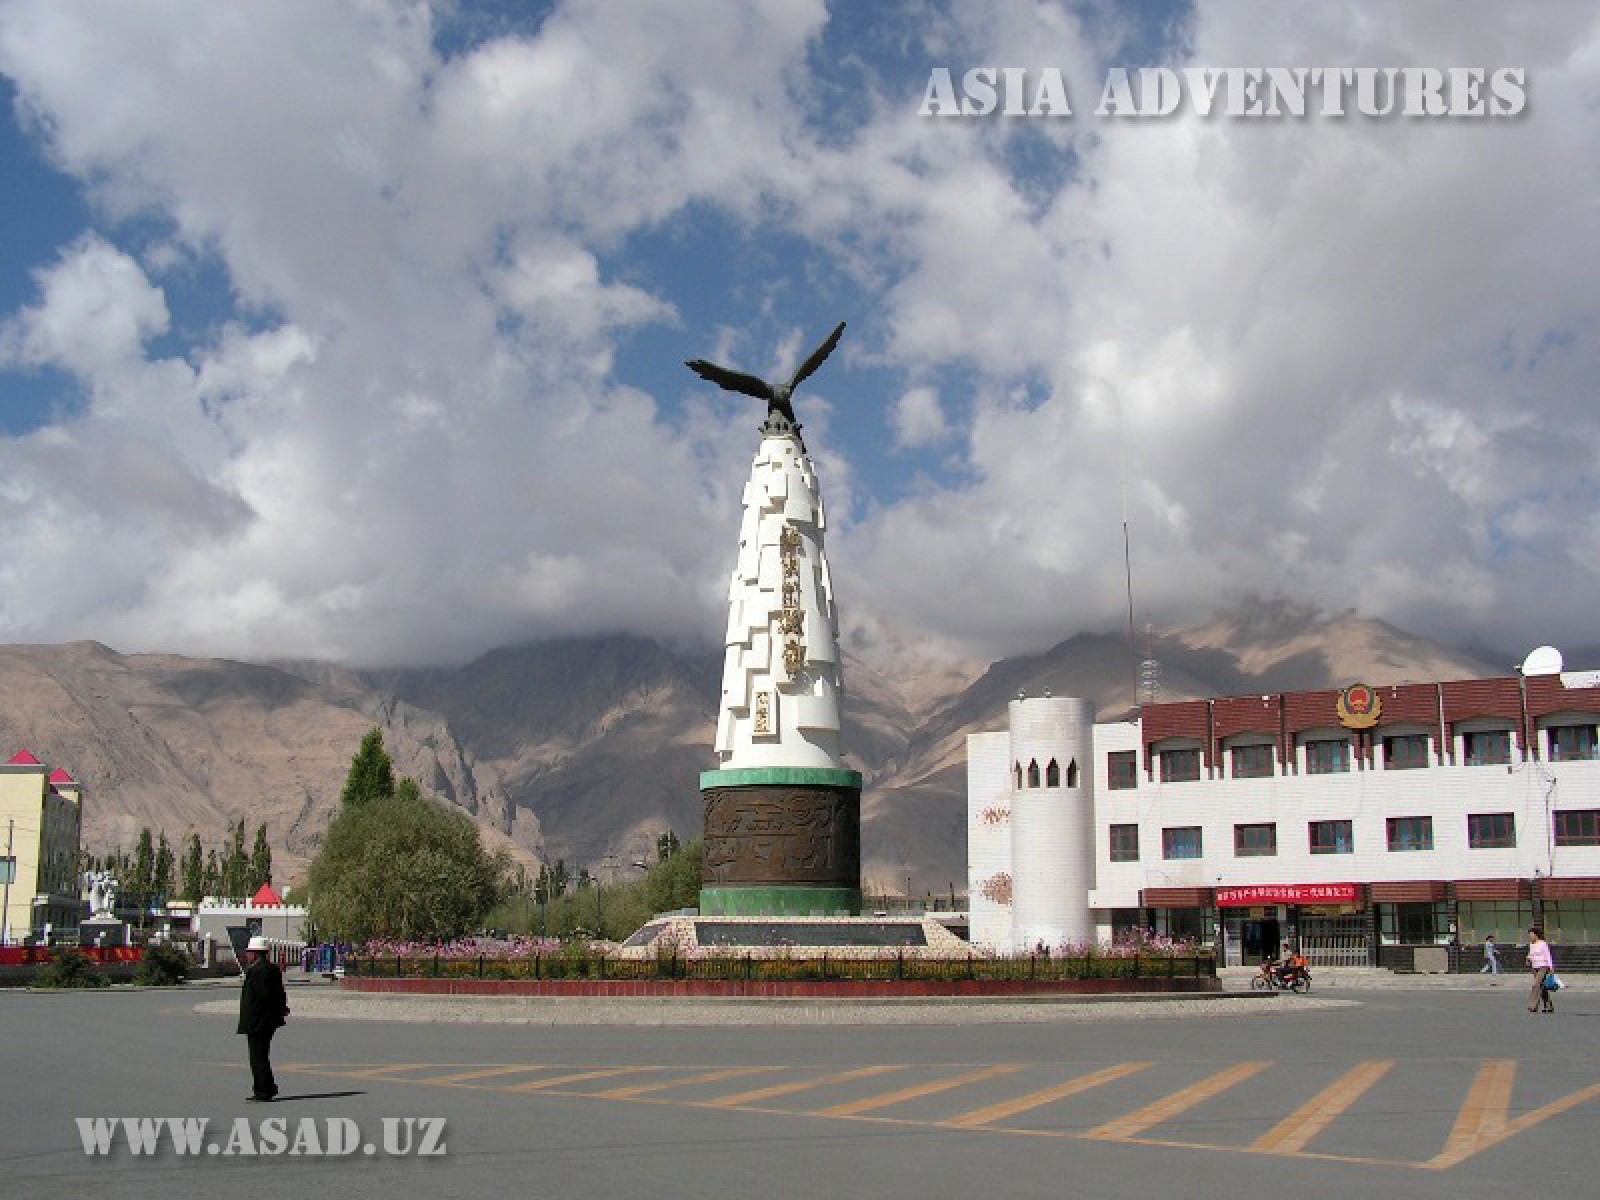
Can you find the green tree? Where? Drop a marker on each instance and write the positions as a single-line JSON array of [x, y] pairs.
[[194, 870], [211, 880], [141, 883], [235, 865], [371, 774], [675, 882], [162, 878], [402, 866], [260, 861]]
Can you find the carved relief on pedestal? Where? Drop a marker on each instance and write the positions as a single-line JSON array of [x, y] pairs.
[[782, 835]]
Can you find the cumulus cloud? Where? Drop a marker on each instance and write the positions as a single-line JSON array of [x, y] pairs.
[[1345, 360], [917, 419]]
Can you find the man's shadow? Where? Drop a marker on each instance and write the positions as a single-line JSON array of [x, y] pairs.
[[316, 1096]]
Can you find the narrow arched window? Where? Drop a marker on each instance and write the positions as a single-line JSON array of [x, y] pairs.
[[1017, 768], [1052, 774], [1072, 773], [1033, 772]]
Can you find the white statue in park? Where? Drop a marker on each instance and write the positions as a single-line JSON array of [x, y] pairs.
[[102, 893]]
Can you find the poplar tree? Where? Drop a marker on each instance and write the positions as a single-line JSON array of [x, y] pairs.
[[162, 878], [194, 870], [142, 882], [260, 861]]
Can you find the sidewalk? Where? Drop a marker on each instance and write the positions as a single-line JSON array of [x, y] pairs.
[[1359, 979]]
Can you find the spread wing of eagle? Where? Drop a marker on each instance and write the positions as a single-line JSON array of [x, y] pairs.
[[777, 396]]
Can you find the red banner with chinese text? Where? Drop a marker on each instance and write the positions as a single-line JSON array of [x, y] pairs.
[[1289, 893]]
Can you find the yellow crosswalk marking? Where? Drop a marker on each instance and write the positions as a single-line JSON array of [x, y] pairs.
[[1165, 1109], [1010, 1108], [1483, 1113], [1483, 1120], [1295, 1132], [380, 1072], [640, 1089], [800, 1085], [911, 1093], [486, 1073], [539, 1085]]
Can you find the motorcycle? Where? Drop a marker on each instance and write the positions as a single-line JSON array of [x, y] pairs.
[[1276, 977]]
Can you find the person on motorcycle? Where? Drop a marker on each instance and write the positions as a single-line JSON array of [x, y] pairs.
[[1293, 967]]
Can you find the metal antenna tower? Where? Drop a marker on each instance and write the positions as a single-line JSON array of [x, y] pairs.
[[1149, 669]]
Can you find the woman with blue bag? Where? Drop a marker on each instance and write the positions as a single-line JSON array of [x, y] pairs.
[[1544, 972]]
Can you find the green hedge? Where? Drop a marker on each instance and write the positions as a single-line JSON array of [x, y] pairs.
[[579, 962]]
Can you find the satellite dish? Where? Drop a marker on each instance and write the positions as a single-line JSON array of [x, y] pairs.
[[1546, 660]]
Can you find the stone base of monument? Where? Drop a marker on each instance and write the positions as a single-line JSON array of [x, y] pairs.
[[107, 933], [781, 841]]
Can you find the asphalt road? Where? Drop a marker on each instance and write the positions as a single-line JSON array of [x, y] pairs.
[[1413, 1094]]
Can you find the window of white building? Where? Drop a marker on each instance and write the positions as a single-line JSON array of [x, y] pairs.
[[1331, 837], [1413, 924], [1572, 743], [1327, 756], [1252, 762], [1506, 921], [1577, 827], [1180, 765], [1486, 747], [1122, 770], [1124, 843], [1405, 751], [1255, 841], [1567, 922], [1410, 833], [1181, 842], [1491, 831]]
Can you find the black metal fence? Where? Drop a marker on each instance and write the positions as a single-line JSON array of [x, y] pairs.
[[750, 967]]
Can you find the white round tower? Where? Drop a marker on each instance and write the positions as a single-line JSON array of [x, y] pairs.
[[1052, 820]]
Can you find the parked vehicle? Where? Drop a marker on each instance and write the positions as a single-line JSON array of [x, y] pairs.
[[1283, 977]]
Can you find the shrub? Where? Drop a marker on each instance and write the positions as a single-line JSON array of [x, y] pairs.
[[163, 965], [70, 969]]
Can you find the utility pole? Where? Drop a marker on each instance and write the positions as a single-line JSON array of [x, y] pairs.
[[11, 869]]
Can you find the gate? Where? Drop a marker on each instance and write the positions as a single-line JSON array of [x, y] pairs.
[[1335, 941]]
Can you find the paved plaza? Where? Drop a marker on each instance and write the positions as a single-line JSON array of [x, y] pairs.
[[1450, 1091]]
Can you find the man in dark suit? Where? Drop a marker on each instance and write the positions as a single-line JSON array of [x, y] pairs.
[[262, 1009]]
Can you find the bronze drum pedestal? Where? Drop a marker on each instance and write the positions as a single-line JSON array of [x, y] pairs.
[[781, 841]]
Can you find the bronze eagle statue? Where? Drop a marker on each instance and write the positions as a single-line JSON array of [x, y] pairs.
[[777, 395]]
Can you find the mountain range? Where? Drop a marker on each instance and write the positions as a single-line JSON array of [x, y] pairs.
[[585, 749]]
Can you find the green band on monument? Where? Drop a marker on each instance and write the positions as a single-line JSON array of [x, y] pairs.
[[781, 777]]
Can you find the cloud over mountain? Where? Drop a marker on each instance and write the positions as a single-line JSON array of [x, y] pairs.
[[350, 365]]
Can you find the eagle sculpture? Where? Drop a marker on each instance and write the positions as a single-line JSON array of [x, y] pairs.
[[778, 395]]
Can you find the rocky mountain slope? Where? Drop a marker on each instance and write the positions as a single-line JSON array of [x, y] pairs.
[[585, 749]]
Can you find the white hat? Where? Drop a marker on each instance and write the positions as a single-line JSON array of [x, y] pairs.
[[256, 943]]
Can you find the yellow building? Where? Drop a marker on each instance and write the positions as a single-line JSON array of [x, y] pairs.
[[41, 817]]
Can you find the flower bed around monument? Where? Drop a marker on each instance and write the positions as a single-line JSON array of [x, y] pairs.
[[543, 960]]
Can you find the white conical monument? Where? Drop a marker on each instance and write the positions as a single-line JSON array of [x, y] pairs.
[[780, 670], [782, 811]]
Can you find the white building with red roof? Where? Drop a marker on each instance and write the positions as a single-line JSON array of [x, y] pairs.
[[41, 821]]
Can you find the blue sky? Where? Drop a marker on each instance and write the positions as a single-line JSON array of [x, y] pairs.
[[356, 332]]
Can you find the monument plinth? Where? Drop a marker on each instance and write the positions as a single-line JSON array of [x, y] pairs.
[[782, 811]]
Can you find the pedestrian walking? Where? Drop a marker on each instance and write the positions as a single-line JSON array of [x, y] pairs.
[[1491, 957], [262, 1010], [1542, 966]]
